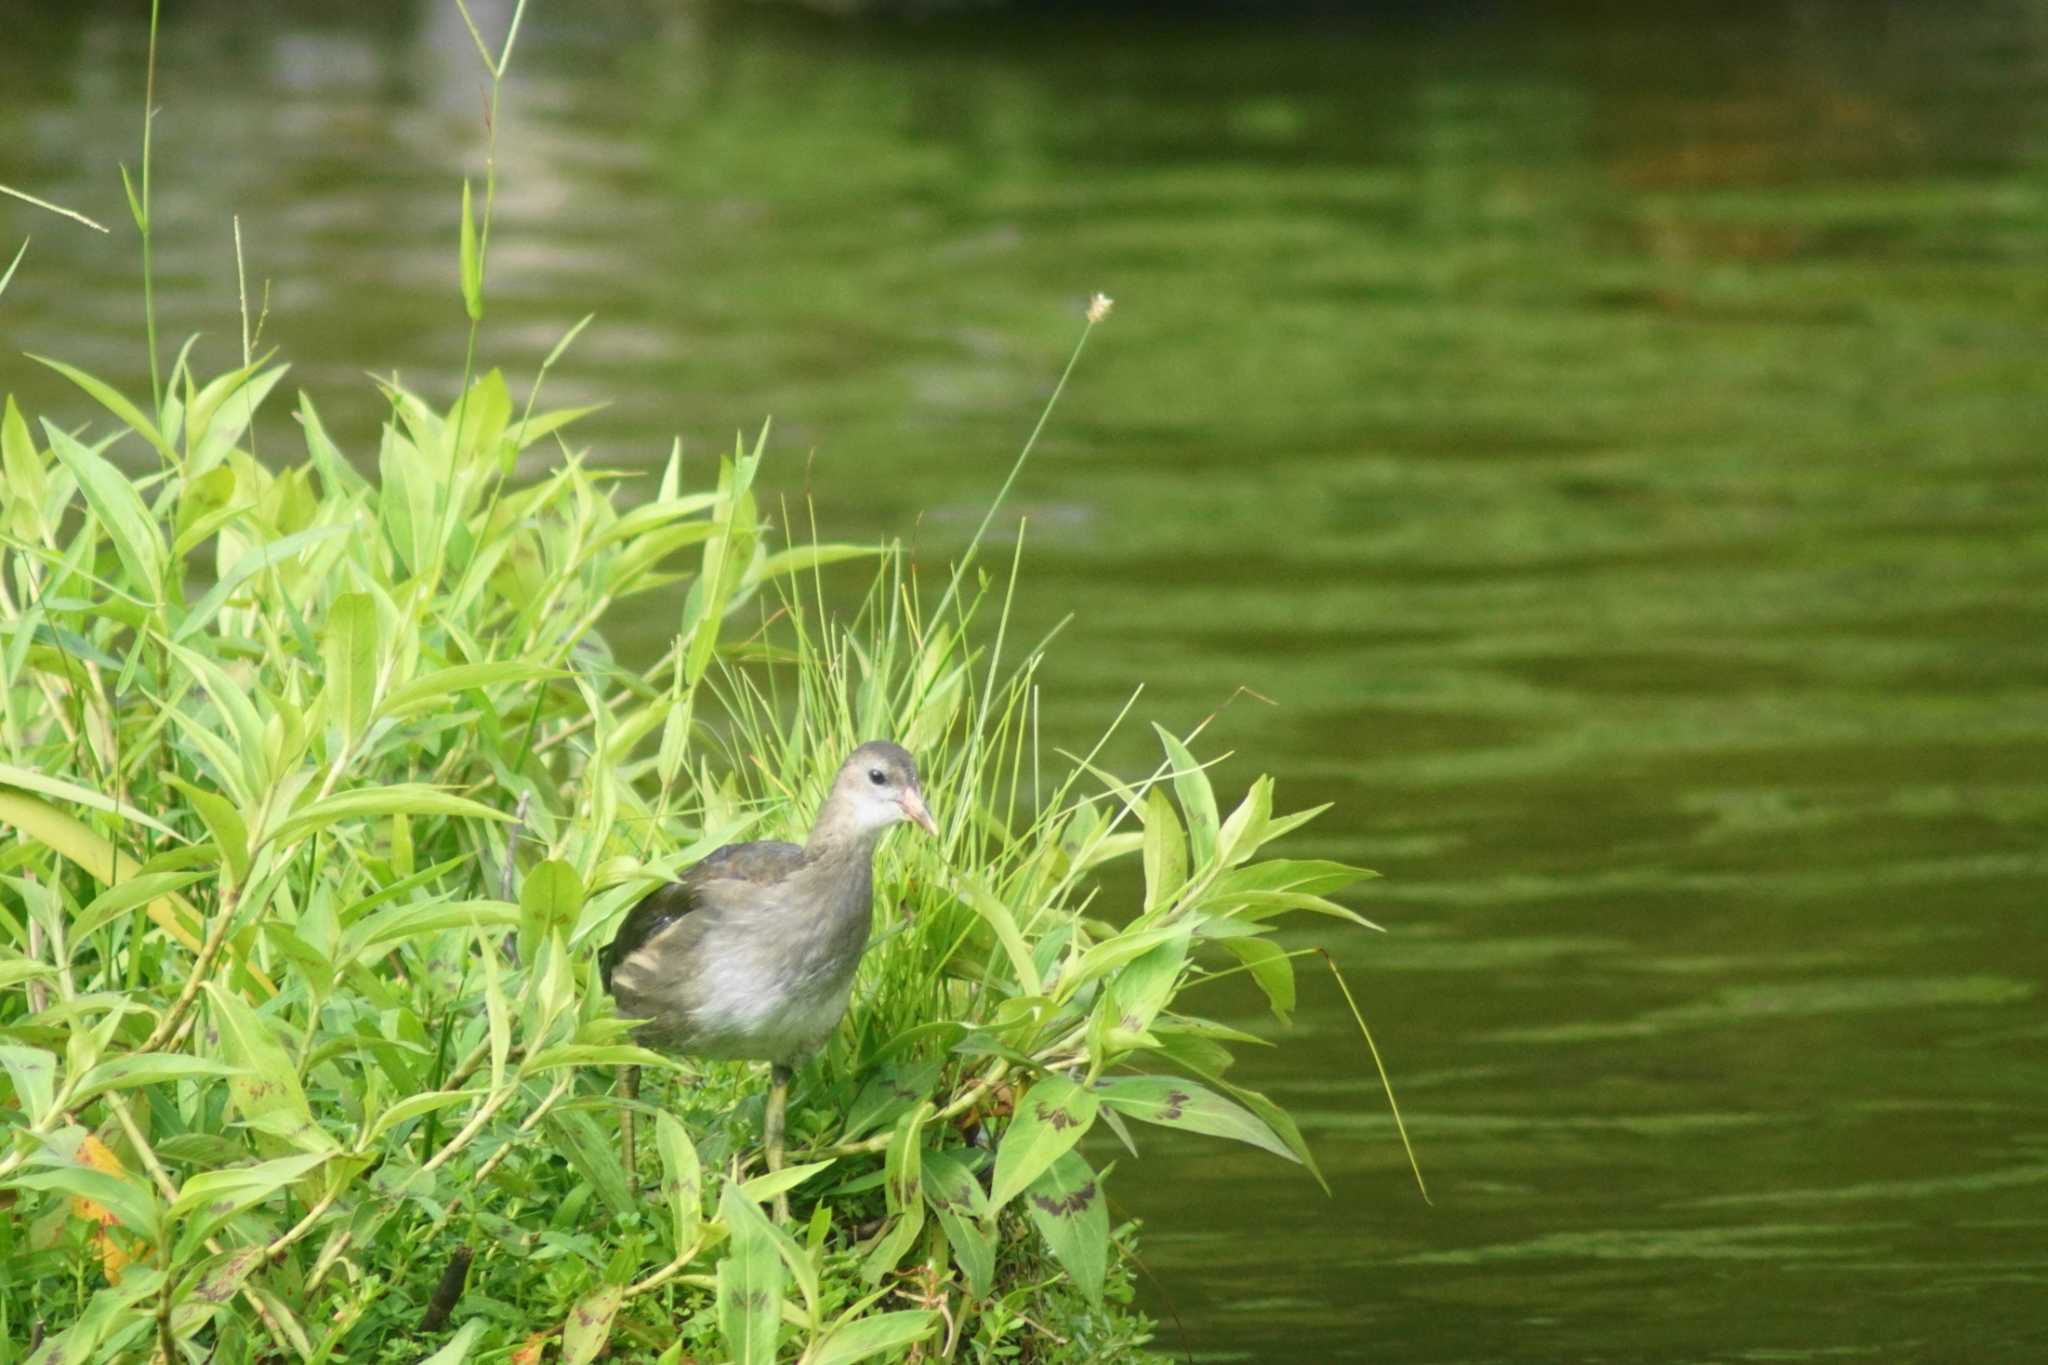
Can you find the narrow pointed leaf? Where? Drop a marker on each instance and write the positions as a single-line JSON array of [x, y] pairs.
[[682, 1178], [110, 398], [1053, 1115], [409, 798], [472, 266], [750, 1279], [1066, 1203], [350, 652], [873, 1334], [116, 507], [1175, 1103], [588, 1328]]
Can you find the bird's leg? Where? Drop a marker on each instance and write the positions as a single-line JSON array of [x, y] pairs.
[[630, 1083], [778, 1103]]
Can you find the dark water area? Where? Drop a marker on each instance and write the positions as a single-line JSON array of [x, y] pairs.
[[1611, 436]]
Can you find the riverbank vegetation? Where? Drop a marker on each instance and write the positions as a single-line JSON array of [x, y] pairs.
[[325, 787]]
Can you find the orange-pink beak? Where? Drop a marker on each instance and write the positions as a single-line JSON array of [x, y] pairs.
[[912, 805]]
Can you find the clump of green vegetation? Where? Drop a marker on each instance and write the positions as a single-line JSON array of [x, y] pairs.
[[327, 789]]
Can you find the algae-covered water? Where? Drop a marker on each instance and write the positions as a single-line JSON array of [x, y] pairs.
[[1599, 447]]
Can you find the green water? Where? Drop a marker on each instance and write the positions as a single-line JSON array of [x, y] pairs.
[[1614, 442]]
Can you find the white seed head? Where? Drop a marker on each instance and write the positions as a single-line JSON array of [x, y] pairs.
[[1099, 306]]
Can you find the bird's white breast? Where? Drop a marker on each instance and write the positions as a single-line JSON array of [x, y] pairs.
[[750, 1005]]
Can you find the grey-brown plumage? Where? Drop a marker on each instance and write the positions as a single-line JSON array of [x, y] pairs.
[[751, 953]]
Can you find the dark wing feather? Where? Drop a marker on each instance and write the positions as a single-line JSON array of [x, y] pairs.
[[760, 863], [763, 862]]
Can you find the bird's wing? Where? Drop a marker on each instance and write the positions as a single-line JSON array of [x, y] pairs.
[[763, 862], [725, 876]]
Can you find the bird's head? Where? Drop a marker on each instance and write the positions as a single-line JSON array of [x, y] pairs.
[[878, 786]]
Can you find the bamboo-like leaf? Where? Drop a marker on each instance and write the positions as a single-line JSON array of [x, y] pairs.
[[131, 1202], [434, 689], [215, 1287], [682, 1179], [221, 411], [376, 932], [750, 1279], [22, 465], [588, 1328], [1066, 1203], [766, 1186], [414, 1106], [1141, 989], [64, 835], [110, 398], [902, 1187], [999, 919], [593, 1152], [15, 970], [34, 1074], [216, 1196], [1311, 876], [1175, 1103], [891, 1090], [29, 780], [1053, 1115], [548, 903], [1197, 798], [337, 475], [965, 1216], [266, 1092], [147, 1068], [1112, 953], [350, 651], [408, 798], [460, 1345], [1262, 905], [871, 1335], [1270, 966], [589, 1054], [1245, 830], [497, 1010], [246, 568], [524, 433], [118, 509], [1166, 854], [231, 698], [223, 822]]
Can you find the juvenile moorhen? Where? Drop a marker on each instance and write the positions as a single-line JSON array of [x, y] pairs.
[[750, 955]]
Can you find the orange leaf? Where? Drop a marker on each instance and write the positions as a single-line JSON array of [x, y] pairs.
[[96, 1155]]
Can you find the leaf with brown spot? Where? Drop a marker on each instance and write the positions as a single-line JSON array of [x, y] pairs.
[[589, 1325], [1067, 1207], [95, 1155], [750, 1280], [1077, 1202], [1051, 1117], [219, 1284], [1175, 1103]]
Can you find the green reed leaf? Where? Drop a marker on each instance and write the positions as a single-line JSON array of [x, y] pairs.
[[118, 510]]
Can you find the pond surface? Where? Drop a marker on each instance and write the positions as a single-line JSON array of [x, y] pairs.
[[1614, 444]]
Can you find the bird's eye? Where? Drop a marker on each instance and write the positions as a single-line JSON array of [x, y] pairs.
[[876, 776]]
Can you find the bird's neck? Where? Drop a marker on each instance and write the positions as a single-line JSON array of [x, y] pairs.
[[838, 835]]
